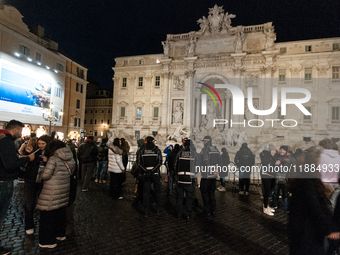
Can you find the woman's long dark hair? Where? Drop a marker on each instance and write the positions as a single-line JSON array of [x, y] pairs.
[[311, 157], [116, 142], [47, 140], [56, 145]]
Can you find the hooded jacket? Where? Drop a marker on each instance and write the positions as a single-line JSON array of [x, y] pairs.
[[10, 163], [329, 165], [87, 152], [56, 181], [115, 164]]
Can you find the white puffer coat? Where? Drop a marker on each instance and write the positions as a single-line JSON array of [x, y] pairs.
[[115, 159], [56, 181]]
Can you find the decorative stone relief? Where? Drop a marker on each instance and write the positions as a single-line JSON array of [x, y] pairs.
[[270, 38], [178, 84], [217, 21], [252, 79], [322, 70], [190, 73], [239, 70], [269, 68], [238, 43]]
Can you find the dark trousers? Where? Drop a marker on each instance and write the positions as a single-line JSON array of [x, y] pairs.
[[6, 192], [31, 193], [268, 186], [276, 194], [87, 171], [244, 182], [189, 197], [207, 188], [116, 180], [69, 219], [52, 225], [155, 179]]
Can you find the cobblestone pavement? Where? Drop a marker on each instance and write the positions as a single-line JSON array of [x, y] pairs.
[[106, 226]]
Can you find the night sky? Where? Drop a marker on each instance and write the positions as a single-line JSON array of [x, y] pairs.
[[93, 33]]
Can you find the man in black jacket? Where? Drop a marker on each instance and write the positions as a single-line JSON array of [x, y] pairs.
[[149, 160], [244, 160], [10, 164], [87, 155]]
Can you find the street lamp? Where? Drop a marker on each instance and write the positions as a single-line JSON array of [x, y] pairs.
[[48, 115]]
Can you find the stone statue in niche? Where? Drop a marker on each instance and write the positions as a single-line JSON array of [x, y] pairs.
[[204, 24], [191, 47], [242, 137], [238, 43], [178, 114], [166, 48], [178, 84], [270, 38], [208, 119]]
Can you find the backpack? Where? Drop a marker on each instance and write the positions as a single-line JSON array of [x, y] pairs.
[[214, 157], [246, 159]]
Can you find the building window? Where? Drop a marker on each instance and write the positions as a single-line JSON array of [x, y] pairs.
[[24, 50], [95, 121], [77, 122], [308, 48], [84, 121], [336, 72], [335, 113], [122, 111], [81, 88], [85, 111], [155, 112], [95, 111], [308, 73], [95, 133], [109, 111], [158, 81], [96, 101], [58, 92], [279, 116], [80, 73], [60, 67], [124, 82], [101, 121], [141, 61], [102, 111], [109, 102], [38, 57], [90, 121], [107, 93], [101, 92], [103, 102], [282, 74], [108, 121], [140, 81], [308, 117], [91, 111], [139, 112], [283, 50], [336, 46], [78, 104]]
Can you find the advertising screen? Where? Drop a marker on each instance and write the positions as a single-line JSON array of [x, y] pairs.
[[23, 90]]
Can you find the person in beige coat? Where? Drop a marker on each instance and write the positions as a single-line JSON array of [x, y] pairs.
[[54, 196]]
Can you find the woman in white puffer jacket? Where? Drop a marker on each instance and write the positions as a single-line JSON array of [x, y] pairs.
[[116, 168]]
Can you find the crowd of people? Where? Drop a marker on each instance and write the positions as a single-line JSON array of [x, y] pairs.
[[49, 168]]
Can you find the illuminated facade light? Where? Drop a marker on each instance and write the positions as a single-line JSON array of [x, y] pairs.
[[38, 63], [157, 61], [29, 59], [56, 71], [47, 67], [17, 54]]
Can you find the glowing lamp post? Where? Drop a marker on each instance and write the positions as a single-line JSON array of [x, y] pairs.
[[48, 115]]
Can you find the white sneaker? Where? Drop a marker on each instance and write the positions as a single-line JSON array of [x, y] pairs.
[[30, 231], [62, 238], [268, 212], [271, 209], [50, 246], [241, 192], [221, 189], [120, 198]]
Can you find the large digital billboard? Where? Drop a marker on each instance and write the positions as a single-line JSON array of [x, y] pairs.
[[26, 91]]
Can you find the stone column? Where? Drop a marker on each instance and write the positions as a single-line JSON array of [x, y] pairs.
[[322, 105], [165, 100], [189, 75]]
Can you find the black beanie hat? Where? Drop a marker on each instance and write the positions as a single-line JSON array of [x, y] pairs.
[[285, 147]]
